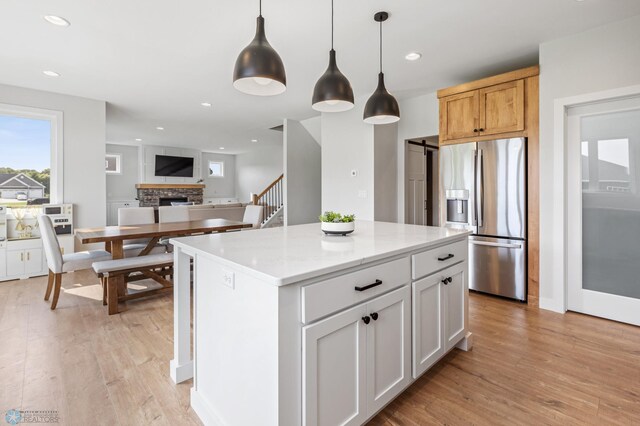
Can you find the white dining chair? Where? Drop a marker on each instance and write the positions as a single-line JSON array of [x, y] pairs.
[[172, 214], [169, 214], [137, 216], [59, 263], [253, 215]]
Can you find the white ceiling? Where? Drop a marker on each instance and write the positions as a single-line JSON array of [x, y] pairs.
[[155, 61]]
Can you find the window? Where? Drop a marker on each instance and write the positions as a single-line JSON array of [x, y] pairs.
[[216, 169], [112, 164], [26, 160]]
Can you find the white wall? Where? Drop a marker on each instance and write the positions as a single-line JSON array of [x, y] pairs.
[[302, 175], [347, 144], [601, 59], [84, 148], [216, 187], [122, 186], [418, 118], [385, 166], [256, 169]]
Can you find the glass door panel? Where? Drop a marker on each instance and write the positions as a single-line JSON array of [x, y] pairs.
[[604, 209]]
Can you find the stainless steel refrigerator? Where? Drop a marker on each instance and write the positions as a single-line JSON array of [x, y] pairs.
[[484, 189]]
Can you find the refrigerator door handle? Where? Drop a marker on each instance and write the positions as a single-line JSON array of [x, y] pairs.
[[490, 244], [480, 194], [473, 209]]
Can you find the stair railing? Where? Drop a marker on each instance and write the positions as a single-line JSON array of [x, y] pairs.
[[272, 198]]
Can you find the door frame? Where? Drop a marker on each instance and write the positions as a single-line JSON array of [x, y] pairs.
[[554, 259], [427, 142]]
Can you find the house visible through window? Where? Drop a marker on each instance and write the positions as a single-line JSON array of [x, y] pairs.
[[25, 162], [216, 169], [112, 164]]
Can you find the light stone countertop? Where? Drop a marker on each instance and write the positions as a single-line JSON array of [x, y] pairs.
[[286, 255]]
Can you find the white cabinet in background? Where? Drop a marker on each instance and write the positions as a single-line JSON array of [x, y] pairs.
[[437, 316], [24, 263], [356, 361]]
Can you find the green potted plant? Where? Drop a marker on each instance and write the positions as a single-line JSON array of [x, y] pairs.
[[333, 223]]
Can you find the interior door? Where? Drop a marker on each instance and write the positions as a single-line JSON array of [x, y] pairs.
[[388, 347], [416, 185], [603, 204], [334, 360], [501, 188]]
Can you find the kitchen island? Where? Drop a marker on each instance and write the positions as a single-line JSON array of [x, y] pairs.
[[293, 327]]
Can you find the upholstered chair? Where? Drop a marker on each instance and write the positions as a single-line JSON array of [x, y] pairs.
[[59, 263]]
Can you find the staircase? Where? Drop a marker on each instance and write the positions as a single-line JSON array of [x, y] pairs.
[[272, 199]]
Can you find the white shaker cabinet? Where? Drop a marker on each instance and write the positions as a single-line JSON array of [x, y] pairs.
[[438, 320], [356, 361], [454, 305]]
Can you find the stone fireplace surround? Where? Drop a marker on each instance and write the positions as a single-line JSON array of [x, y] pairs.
[[149, 194]]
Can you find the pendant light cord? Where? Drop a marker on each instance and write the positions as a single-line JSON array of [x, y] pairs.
[[380, 46], [331, 24], [260, 7]]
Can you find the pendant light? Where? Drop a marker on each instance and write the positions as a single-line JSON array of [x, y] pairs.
[[259, 69], [333, 92], [382, 107]]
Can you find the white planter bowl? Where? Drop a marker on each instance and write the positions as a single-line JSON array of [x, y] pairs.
[[340, 228]]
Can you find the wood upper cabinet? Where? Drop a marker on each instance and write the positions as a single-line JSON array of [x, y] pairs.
[[459, 115], [492, 106], [502, 108]]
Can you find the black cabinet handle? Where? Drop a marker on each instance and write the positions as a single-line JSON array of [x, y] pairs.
[[475, 130], [367, 287], [447, 280], [366, 319], [481, 129], [374, 315], [447, 257]]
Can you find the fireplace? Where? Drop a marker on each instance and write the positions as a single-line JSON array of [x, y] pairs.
[[166, 201], [162, 194]]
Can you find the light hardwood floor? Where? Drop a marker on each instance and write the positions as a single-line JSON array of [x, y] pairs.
[[527, 367]]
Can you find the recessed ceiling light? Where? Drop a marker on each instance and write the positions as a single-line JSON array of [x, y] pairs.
[[160, 128], [413, 56], [57, 20], [254, 140], [206, 104], [138, 140], [51, 73], [222, 147]]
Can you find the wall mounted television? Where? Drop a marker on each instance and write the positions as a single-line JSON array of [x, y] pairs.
[[167, 165]]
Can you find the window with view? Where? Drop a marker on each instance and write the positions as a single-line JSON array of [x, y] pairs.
[[25, 163], [216, 169]]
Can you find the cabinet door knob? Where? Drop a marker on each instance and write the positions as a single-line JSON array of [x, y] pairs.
[[366, 319], [374, 315], [475, 130], [481, 129], [447, 280]]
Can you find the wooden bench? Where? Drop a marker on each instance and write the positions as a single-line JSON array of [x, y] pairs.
[[155, 266]]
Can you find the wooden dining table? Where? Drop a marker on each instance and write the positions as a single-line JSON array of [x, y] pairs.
[[114, 237]]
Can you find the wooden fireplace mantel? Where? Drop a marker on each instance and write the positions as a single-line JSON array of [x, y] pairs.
[[170, 186]]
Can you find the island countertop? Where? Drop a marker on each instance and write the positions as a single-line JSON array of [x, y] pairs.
[[291, 254]]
